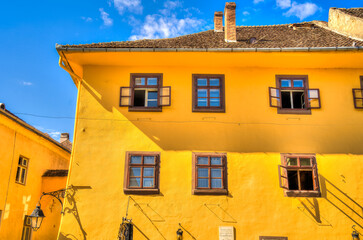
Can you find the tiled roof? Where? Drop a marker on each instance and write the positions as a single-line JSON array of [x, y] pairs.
[[56, 173], [357, 12], [310, 34]]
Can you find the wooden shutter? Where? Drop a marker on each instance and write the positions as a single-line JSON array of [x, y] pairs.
[[315, 177], [164, 96], [358, 98], [125, 96], [275, 97], [313, 98], [283, 180]]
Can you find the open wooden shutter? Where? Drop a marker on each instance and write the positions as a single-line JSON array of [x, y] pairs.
[[313, 98], [315, 177], [164, 96], [358, 98], [283, 180], [125, 96], [275, 97]]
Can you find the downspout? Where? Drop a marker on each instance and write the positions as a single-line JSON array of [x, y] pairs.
[[79, 85]]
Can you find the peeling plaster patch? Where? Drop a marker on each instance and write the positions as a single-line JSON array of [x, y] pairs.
[[7, 211]]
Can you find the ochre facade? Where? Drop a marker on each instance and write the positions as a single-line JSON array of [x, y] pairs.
[[16, 199], [251, 133]]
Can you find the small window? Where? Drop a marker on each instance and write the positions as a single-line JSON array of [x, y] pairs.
[[358, 95], [146, 93], [27, 230], [208, 93], [292, 95], [209, 173], [22, 170], [299, 175], [142, 173]]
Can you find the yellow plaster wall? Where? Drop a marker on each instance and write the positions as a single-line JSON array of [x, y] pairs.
[[17, 200], [251, 133]]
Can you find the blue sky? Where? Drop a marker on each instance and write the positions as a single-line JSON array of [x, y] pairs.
[[34, 84]]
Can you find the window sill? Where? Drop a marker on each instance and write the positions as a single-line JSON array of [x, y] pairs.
[[216, 110], [296, 193], [141, 191], [210, 192], [294, 111], [145, 109]]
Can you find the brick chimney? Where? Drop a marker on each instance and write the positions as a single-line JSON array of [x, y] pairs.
[[64, 137], [218, 21], [230, 22]]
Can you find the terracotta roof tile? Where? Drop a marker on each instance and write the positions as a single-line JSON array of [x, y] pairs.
[[274, 36], [357, 12]]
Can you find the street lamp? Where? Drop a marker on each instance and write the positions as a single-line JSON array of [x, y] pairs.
[[37, 215], [355, 234]]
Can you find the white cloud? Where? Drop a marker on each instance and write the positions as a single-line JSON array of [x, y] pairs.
[[107, 21], [87, 19], [257, 1], [302, 11], [283, 3], [161, 26], [172, 4], [24, 83], [130, 5], [52, 133], [245, 13]]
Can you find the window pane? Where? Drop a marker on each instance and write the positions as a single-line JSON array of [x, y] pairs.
[[216, 173], [134, 182], [214, 102], [203, 183], [202, 93], [305, 162], [292, 178], [214, 93], [152, 95], [203, 160], [139, 81], [23, 176], [203, 172], [148, 182], [135, 159], [298, 83], [152, 81], [214, 82], [291, 161], [149, 160], [202, 102], [139, 98], [298, 100], [216, 183], [285, 99], [18, 174], [285, 83], [148, 172], [135, 172], [306, 180], [24, 162], [202, 82], [20, 160], [152, 103], [216, 160]]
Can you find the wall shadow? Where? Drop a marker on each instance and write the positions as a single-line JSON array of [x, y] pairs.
[[220, 213], [310, 207], [185, 230], [72, 209], [342, 202]]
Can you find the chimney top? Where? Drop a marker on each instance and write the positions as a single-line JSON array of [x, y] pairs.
[[218, 21], [218, 13], [230, 5], [64, 137], [230, 34]]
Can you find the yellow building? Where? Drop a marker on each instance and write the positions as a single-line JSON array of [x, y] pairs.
[[31, 162], [233, 133]]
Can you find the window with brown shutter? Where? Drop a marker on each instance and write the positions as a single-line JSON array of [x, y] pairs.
[[209, 174], [142, 172], [22, 170], [298, 175], [27, 230], [146, 93], [358, 95], [208, 93], [293, 96]]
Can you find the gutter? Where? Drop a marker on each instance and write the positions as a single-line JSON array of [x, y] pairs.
[[296, 49]]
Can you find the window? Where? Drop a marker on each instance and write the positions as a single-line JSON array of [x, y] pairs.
[[22, 170], [272, 238], [208, 93], [299, 175], [358, 95], [209, 173], [142, 173], [292, 95], [27, 230], [146, 93]]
